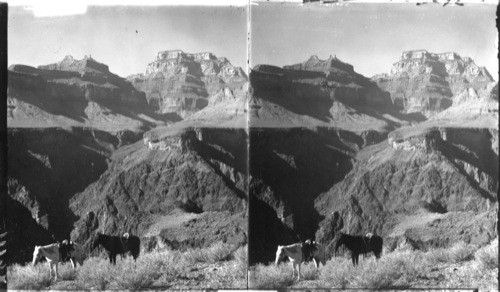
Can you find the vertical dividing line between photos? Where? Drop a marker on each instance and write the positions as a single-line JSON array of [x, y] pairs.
[[249, 33], [3, 146]]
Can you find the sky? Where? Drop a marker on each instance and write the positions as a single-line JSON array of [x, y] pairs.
[[372, 37], [128, 38]]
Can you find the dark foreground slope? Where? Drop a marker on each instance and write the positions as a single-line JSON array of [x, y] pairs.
[[181, 187], [64, 121], [46, 166], [307, 121], [430, 189]]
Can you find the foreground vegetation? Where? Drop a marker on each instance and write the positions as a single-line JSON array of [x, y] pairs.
[[461, 266], [219, 266], [224, 266]]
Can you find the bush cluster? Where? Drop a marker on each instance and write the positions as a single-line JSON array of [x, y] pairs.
[[154, 269]]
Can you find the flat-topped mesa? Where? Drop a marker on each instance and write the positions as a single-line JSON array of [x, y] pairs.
[[428, 83], [441, 64], [165, 55], [71, 64], [174, 62], [180, 82], [419, 54], [316, 64], [176, 54]]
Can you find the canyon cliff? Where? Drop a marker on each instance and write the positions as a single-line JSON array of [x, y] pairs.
[[417, 176], [428, 83], [73, 125], [182, 83], [193, 152]]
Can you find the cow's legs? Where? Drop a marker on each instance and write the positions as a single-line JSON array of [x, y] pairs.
[[56, 274], [51, 270], [316, 262], [73, 262]]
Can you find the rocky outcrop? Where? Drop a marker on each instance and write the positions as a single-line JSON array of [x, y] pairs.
[[69, 63], [182, 83], [410, 187], [46, 167], [471, 108], [317, 80], [428, 83], [317, 93], [289, 168], [184, 171], [75, 93], [325, 152], [73, 80]]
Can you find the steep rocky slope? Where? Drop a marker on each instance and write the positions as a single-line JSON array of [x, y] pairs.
[[427, 83], [327, 93], [314, 175], [64, 121], [84, 156], [180, 83], [174, 187], [75, 167], [307, 121], [289, 168], [428, 188], [46, 166], [227, 108], [76, 93]]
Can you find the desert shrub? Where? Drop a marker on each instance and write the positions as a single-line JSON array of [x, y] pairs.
[[232, 273], [67, 272], [173, 264], [218, 252], [221, 252], [241, 259], [96, 273], [197, 255], [309, 271], [29, 277], [461, 252], [371, 274], [473, 274], [140, 274], [395, 269], [458, 253], [436, 256], [271, 277], [487, 257], [408, 266], [337, 272]]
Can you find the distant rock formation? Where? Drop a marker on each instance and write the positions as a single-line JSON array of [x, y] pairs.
[[428, 83], [316, 64], [316, 92], [71, 64], [75, 92], [182, 83], [73, 79]]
